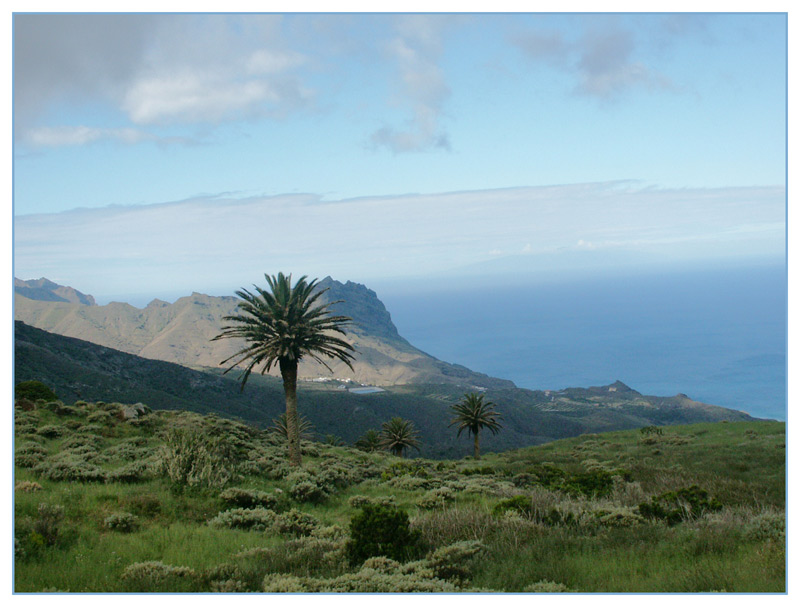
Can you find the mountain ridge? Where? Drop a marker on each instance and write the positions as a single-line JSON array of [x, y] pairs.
[[182, 333]]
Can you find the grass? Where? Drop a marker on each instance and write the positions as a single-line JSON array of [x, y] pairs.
[[585, 537]]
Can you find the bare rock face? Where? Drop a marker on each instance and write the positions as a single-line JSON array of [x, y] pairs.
[[135, 411]]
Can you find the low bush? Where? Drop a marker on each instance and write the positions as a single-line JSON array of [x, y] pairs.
[[191, 459], [381, 530], [436, 498], [674, 507], [27, 487], [546, 586], [124, 522], [296, 523], [244, 498], [454, 562], [768, 526], [52, 431], [133, 472], [357, 501], [618, 517], [29, 455], [252, 519], [70, 468], [155, 576]]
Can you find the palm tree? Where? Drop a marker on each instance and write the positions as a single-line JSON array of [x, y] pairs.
[[369, 441], [472, 414], [397, 435], [280, 327], [304, 427]]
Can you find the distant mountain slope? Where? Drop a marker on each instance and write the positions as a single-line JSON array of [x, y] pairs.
[[181, 333], [46, 290], [78, 369]]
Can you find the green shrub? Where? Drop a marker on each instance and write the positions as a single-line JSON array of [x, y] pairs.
[[307, 490], [244, 498], [283, 582], [294, 522], [618, 517], [675, 506], [191, 459], [436, 498], [768, 526], [357, 501], [27, 487], [454, 562], [29, 455], [130, 473], [69, 467], [155, 576], [100, 417], [252, 519], [381, 530], [52, 431], [546, 586], [124, 522], [593, 483], [520, 504], [33, 391], [48, 522]]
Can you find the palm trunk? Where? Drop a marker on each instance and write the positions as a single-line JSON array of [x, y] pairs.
[[289, 375], [477, 447]]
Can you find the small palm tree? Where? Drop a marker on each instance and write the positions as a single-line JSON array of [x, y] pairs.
[[304, 427], [472, 414], [369, 441], [397, 435], [281, 326]]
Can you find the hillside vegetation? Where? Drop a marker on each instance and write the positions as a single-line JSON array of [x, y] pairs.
[[122, 498], [80, 370]]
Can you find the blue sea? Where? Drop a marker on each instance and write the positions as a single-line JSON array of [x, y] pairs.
[[717, 335]]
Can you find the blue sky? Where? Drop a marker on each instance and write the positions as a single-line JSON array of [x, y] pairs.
[[204, 150]]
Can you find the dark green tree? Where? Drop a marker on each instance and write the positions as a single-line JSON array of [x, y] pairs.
[[473, 414], [397, 435], [280, 327]]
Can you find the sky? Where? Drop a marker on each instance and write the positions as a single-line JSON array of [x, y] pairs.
[[158, 154]]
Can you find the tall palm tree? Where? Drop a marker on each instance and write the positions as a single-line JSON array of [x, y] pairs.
[[472, 414], [397, 435], [281, 326]]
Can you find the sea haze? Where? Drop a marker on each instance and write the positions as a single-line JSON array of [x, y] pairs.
[[718, 335]]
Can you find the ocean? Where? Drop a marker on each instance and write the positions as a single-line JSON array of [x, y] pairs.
[[717, 335]]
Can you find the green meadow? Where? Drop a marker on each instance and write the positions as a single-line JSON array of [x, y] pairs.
[[109, 500]]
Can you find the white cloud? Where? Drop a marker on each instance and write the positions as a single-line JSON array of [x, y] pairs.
[[82, 135], [155, 69], [423, 89], [216, 243]]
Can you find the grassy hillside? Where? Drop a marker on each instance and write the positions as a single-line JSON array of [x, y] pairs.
[[79, 370], [113, 498]]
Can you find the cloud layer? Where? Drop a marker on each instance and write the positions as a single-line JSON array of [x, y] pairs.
[[224, 243]]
